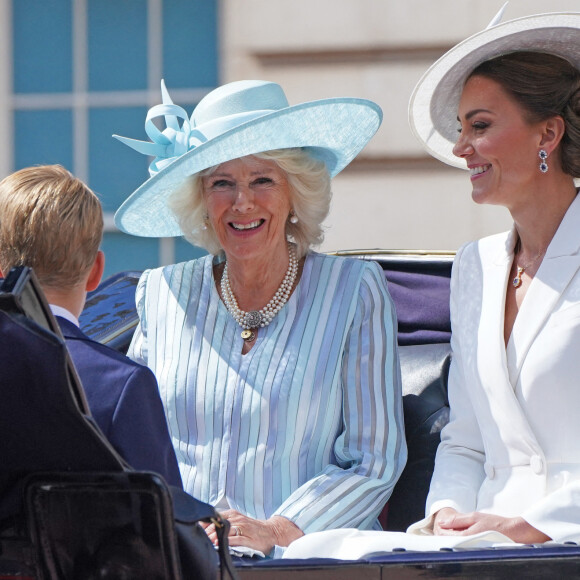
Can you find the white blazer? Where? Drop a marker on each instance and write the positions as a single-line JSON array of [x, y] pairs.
[[512, 446]]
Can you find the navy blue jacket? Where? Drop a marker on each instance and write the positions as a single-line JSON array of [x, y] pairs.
[[124, 400]]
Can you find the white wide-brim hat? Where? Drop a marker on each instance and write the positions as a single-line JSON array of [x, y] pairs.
[[435, 100], [238, 119]]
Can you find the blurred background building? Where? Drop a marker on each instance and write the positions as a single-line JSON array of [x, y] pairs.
[[73, 72]]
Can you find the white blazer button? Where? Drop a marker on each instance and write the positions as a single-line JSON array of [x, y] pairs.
[[489, 470], [537, 464]]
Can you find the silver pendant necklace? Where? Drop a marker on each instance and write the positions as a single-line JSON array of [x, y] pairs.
[[254, 319]]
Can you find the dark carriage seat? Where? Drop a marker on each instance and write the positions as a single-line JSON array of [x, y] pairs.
[[424, 369], [419, 285]]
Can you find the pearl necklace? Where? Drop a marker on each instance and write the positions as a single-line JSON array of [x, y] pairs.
[[260, 318]]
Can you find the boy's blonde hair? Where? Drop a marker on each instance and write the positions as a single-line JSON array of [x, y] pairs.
[[50, 221]]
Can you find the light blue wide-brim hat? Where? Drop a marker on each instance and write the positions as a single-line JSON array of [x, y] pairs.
[[237, 119], [435, 100]]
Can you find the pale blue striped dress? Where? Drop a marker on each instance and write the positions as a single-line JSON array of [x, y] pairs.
[[308, 424]]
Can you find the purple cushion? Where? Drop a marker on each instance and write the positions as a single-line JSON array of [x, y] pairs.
[[422, 303]]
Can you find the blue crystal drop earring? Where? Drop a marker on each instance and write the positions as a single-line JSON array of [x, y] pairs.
[[543, 165]]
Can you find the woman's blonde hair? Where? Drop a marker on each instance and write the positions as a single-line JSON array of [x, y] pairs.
[[310, 196], [49, 221]]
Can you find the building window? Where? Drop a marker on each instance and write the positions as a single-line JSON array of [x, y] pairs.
[[85, 69]]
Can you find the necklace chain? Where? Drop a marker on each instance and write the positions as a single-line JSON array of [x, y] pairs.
[[517, 281], [260, 318]]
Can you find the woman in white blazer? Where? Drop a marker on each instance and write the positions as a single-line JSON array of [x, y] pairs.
[[509, 459]]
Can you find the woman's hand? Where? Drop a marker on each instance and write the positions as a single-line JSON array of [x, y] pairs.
[[260, 535], [445, 515], [448, 522]]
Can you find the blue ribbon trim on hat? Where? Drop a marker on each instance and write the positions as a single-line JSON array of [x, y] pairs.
[[175, 140], [167, 145]]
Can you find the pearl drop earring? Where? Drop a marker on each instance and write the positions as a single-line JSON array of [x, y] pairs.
[[293, 217]]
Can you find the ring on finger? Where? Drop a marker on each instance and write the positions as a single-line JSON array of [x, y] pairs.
[[237, 531]]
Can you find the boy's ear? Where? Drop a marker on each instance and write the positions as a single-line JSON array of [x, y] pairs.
[[96, 272]]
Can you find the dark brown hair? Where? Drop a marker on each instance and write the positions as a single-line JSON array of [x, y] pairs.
[[545, 85]]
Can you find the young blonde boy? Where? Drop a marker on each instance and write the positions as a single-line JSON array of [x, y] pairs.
[[53, 222]]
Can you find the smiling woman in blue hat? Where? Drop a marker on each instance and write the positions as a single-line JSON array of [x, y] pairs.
[[277, 365]]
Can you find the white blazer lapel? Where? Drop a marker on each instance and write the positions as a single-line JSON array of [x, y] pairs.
[[558, 267], [495, 273], [500, 397]]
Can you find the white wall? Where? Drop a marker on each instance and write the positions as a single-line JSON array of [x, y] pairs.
[[424, 210]]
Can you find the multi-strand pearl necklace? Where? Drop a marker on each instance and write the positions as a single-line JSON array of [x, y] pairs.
[[254, 319]]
